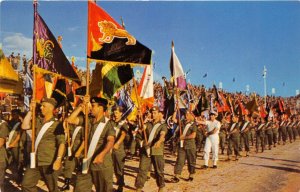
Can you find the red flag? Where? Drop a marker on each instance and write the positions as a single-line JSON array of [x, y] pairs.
[[109, 41]]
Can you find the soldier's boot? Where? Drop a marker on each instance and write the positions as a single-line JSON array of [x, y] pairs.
[[120, 189], [270, 147], [228, 158], [247, 154], [66, 185], [191, 177]]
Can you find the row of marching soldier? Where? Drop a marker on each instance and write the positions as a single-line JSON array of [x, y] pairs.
[[59, 145]]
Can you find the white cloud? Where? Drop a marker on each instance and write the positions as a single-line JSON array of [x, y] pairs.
[[17, 43]]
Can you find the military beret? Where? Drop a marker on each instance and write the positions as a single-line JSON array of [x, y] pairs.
[[101, 101], [52, 101], [16, 111]]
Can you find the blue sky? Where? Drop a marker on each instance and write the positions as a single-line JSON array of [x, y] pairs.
[[226, 40]]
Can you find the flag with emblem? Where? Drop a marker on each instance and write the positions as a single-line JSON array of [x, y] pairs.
[[47, 54], [109, 41]]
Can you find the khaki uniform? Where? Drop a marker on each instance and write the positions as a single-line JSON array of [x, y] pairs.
[[3, 156], [234, 140], [16, 153], [245, 136], [156, 157], [260, 137], [119, 154], [199, 138], [282, 132], [269, 134], [101, 175], [222, 136], [70, 161], [46, 154], [187, 152]]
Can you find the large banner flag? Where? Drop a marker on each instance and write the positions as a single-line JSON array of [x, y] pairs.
[[114, 77], [145, 88], [47, 53], [176, 69], [109, 41]]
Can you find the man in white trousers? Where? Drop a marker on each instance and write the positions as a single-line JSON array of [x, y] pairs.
[[212, 139]]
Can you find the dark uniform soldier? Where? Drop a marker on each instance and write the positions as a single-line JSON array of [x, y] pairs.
[[100, 142], [245, 133], [260, 134], [152, 150], [118, 152], [3, 156], [186, 147], [14, 144], [233, 138], [49, 148]]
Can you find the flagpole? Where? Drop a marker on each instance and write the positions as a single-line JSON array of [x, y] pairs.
[[265, 85], [32, 154], [86, 131]]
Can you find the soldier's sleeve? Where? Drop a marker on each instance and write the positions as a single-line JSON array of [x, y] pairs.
[[125, 128], [59, 133], [4, 131], [164, 128], [111, 131], [194, 128], [81, 120]]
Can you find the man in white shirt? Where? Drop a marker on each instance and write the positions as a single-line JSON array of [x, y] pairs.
[[212, 139]]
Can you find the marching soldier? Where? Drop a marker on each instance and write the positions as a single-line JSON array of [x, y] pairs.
[[50, 136], [71, 160], [100, 142], [186, 147], [200, 137], [152, 151], [275, 131], [14, 144], [244, 129], [3, 156], [294, 127], [289, 129], [282, 130], [118, 152], [223, 132], [233, 138], [269, 132], [260, 134]]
